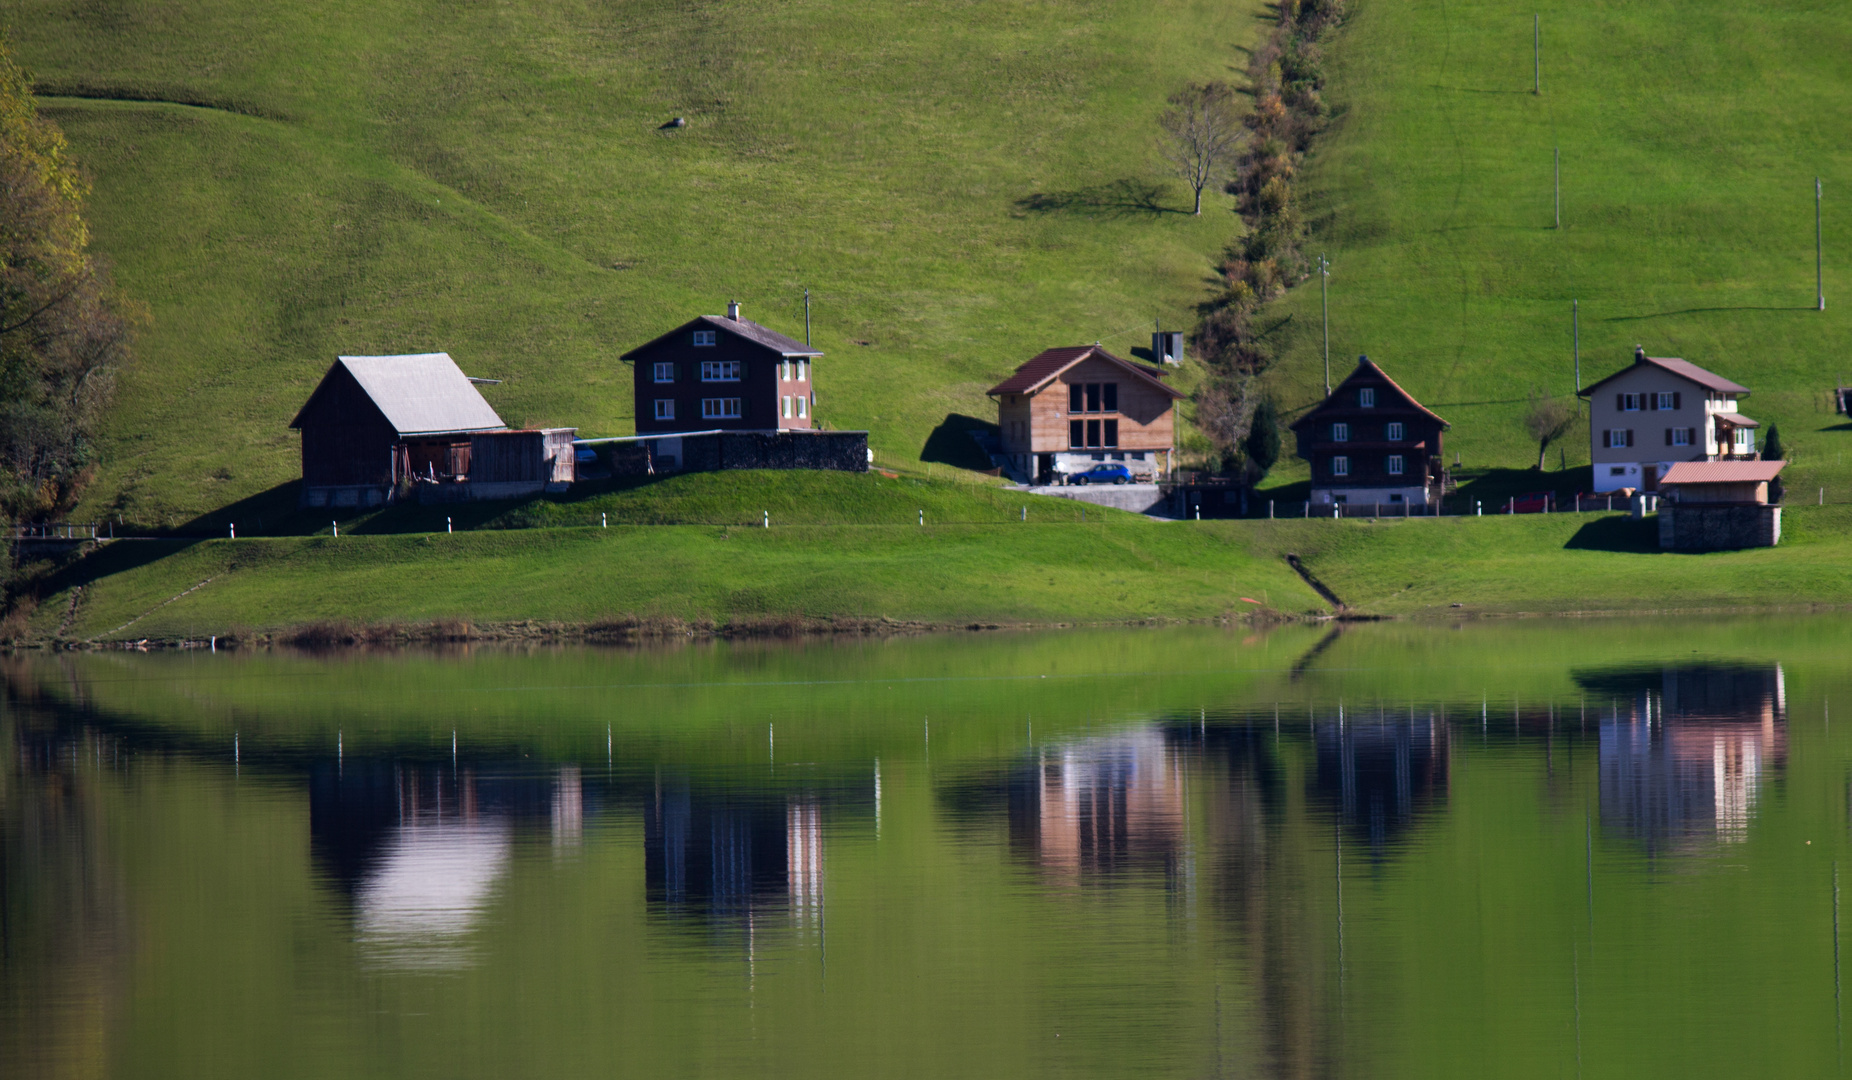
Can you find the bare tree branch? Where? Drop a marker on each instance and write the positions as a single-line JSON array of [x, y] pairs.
[[1202, 134]]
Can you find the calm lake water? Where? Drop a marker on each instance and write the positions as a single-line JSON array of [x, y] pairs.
[[1548, 849]]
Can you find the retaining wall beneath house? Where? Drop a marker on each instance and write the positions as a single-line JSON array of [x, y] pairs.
[[838, 451], [1700, 527], [1137, 498]]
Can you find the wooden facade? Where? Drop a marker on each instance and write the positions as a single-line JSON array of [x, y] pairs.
[[1069, 407], [728, 373], [1370, 441]]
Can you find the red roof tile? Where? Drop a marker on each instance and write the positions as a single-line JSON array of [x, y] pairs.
[[1049, 363], [1684, 369], [1721, 472]]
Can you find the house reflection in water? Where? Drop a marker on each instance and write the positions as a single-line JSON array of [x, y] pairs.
[[1382, 770], [1085, 809], [718, 859], [1685, 752], [419, 848]]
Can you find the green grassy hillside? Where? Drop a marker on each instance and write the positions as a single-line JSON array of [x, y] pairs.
[[960, 184], [1691, 133]]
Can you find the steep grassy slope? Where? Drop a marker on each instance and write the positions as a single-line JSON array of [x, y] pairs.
[[1691, 133], [959, 183]]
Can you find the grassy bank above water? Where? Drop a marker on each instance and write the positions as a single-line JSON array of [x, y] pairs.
[[1116, 568]]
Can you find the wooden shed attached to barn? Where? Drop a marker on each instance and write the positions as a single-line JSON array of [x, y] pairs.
[[376, 425]]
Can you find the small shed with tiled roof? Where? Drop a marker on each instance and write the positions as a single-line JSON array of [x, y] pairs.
[[1370, 442], [1070, 407]]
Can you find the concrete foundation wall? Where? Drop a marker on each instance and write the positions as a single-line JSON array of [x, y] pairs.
[[1699, 527]]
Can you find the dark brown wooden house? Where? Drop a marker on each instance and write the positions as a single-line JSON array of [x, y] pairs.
[[1371, 442], [727, 373], [376, 424]]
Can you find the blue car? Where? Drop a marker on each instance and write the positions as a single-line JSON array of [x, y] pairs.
[[1103, 474]]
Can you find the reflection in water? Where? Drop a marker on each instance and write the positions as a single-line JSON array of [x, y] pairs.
[[1381, 770], [1107, 804], [419, 848], [1685, 752], [719, 859]]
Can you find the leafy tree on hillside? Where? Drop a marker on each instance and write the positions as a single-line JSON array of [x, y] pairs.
[[61, 337], [1772, 450], [1203, 131], [1548, 419], [1263, 441]]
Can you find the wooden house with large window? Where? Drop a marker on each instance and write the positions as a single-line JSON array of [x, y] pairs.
[[723, 374], [1070, 407], [1660, 411], [1371, 442]]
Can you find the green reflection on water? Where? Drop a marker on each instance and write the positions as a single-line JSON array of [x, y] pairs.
[[1519, 849]]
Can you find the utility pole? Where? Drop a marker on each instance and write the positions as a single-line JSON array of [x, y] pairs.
[[1559, 187], [806, 316], [1536, 54], [1819, 252], [1575, 325], [1324, 301]]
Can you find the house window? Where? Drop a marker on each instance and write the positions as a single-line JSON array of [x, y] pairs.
[[1617, 470], [720, 371], [1396, 498], [1395, 464], [785, 408], [665, 372], [1340, 466], [1679, 436], [1745, 440], [1077, 434], [1112, 433], [803, 370], [704, 337], [1093, 433], [803, 407], [1395, 433], [1667, 402], [1627, 402], [1340, 433], [665, 408], [1617, 438], [720, 408], [1109, 396], [1093, 397], [1076, 397], [1366, 398]]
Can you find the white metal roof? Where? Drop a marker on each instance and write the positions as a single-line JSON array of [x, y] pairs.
[[422, 393]]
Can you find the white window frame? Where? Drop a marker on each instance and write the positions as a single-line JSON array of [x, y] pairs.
[[803, 371], [1665, 401], [785, 408], [665, 408], [1681, 436], [720, 408], [803, 407], [720, 371], [1632, 402], [704, 339], [1366, 398], [1340, 432], [1744, 437], [1395, 464], [664, 371], [1396, 431], [1617, 439], [1340, 466]]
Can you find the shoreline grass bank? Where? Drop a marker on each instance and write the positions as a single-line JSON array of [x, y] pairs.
[[640, 581]]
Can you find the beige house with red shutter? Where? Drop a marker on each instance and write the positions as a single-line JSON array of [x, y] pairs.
[[1072, 407], [1646, 418]]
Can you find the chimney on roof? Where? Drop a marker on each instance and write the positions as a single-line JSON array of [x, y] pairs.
[[733, 310], [1639, 354]]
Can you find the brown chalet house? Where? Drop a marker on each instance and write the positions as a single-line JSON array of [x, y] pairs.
[[1068, 408], [723, 374], [1371, 442], [1659, 411]]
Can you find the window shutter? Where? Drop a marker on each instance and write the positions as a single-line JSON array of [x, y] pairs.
[[1668, 436], [1629, 436], [1675, 400], [1620, 402], [1651, 403], [1691, 436]]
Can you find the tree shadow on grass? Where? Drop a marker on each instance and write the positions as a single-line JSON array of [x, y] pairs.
[[1616, 534], [951, 443], [1706, 310], [1125, 197]]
